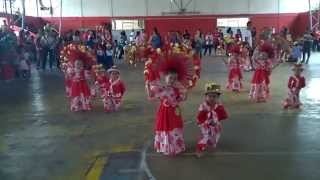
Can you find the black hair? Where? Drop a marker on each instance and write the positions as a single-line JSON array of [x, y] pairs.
[[77, 33], [156, 31], [172, 71]]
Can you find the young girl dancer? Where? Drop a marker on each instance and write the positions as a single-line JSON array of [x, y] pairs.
[[295, 84], [77, 61], [262, 63], [235, 72], [115, 91], [177, 71]]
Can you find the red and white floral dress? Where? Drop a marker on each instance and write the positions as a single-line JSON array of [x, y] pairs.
[[295, 84], [102, 84], [209, 121], [80, 92], [260, 80], [169, 124], [113, 95], [235, 74]]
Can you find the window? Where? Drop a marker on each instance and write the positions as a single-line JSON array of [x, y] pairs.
[[127, 24], [232, 22]]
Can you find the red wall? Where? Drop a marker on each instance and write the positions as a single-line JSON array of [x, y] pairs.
[[297, 23], [69, 23], [301, 23], [279, 21]]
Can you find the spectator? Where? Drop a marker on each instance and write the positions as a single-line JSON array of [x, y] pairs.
[[44, 50], [101, 54], [307, 45], [208, 43], [186, 35], [217, 35], [90, 42], [315, 42], [155, 39], [38, 47], [254, 36], [230, 32], [132, 36], [238, 35], [108, 56], [198, 43], [139, 39], [76, 37], [296, 53], [247, 34], [122, 43], [53, 45]]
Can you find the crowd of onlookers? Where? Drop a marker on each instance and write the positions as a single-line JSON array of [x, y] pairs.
[[19, 53]]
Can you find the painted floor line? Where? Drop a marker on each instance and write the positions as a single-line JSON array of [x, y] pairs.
[[128, 171], [143, 164], [245, 154], [96, 170]]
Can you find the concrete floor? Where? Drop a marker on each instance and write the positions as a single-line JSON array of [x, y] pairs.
[[40, 139]]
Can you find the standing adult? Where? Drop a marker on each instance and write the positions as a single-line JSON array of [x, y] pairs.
[[38, 47], [315, 43], [76, 37], [254, 36], [186, 35], [238, 36], [247, 34], [155, 39], [132, 36], [307, 45], [217, 35], [44, 50], [122, 43], [198, 43], [139, 39], [208, 43], [52, 45]]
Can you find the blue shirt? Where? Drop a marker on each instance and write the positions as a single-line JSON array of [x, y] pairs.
[[156, 41], [296, 52]]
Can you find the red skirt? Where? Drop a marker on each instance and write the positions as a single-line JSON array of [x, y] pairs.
[[235, 73], [168, 118], [260, 76], [80, 87]]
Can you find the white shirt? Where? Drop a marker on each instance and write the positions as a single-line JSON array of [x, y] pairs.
[[246, 34], [131, 36]]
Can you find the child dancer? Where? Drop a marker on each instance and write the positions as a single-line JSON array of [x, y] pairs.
[[235, 74], [211, 113], [76, 62], [102, 82], [169, 124], [25, 65], [177, 68], [295, 84], [262, 64], [80, 92], [115, 91]]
